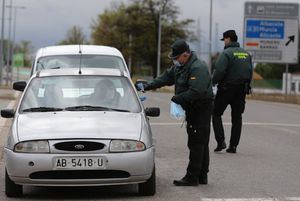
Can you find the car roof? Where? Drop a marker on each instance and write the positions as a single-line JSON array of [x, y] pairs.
[[75, 71], [74, 49]]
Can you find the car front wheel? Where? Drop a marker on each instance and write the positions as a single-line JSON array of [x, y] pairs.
[[148, 188], [12, 189]]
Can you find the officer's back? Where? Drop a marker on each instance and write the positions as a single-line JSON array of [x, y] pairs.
[[233, 66]]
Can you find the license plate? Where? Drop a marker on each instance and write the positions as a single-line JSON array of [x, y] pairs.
[[79, 163]]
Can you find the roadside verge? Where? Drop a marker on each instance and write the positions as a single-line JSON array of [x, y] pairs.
[[4, 128]]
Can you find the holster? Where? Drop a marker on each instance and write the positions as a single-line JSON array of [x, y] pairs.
[[247, 88]]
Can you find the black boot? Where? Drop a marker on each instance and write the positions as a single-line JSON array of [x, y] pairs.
[[220, 146], [186, 181], [203, 179], [231, 149]]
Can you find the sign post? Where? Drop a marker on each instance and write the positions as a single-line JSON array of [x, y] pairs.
[[271, 32]]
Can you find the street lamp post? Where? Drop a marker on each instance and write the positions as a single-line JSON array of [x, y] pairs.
[[8, 55], [14, 31], [11, 41], [210, 38], [15, 22], [2, 41], [159, 43]]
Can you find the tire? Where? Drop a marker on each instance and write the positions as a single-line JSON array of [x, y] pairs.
[[12, 189], [148, 188]]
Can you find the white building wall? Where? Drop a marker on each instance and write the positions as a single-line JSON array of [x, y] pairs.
[[292, 79]]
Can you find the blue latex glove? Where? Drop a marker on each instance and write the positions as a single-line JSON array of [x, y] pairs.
[[176, 111], [140, 87]]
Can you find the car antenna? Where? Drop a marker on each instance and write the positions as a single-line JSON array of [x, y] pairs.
[[80, 52]]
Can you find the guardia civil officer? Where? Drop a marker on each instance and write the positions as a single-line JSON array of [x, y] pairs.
[[193, 91], [233, 74]]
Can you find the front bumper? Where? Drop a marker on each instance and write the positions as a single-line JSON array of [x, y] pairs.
[[138, 165]]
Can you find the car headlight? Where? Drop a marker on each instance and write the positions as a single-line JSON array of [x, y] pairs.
[[32, 147], [126, 146]]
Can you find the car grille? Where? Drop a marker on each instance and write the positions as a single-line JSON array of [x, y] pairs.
[[79, 174], [79, 146]]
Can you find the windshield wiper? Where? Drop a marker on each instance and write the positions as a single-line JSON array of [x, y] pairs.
[[86, 108], [42, 109], [119, 110], [56, 67], [92, 108]]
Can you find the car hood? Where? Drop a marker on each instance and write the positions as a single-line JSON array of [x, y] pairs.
[[66, 125]]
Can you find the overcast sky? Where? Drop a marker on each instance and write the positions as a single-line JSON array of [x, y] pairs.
[[45, 22]]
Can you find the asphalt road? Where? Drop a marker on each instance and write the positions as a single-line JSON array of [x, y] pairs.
[[266, 166]]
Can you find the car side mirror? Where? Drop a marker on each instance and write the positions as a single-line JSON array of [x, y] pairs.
[[19, 86], [152, 111], [7, 113]]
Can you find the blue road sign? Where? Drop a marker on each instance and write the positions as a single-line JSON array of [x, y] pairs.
[[265, 29]]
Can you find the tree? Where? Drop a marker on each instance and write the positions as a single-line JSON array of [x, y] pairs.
[[110, 28], [139, 21], [74, 36], [274, 71], [269, 71]]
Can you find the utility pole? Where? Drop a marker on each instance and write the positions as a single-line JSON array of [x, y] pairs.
[[216, 38], [199, 37], [210, 37], [130, 51], [2, 42]]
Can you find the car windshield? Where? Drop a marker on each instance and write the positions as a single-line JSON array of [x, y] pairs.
[[80, 93], [73, 61]]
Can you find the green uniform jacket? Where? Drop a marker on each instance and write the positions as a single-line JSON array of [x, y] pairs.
[[192, 81], [233, 66]]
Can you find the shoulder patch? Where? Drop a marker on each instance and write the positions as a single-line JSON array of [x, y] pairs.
[[240, 55]]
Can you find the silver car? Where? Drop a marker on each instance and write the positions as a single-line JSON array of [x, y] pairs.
[[79, 128], [73, 56]]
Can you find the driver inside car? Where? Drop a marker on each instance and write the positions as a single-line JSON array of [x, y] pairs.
[[105, 94]]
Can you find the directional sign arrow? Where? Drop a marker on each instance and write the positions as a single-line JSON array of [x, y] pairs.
[[291, 38]]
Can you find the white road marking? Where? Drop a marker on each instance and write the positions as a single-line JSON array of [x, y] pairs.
[[252, 199], [293, 198], [228, 123]]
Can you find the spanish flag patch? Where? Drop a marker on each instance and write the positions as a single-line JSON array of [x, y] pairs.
[[193, 78]]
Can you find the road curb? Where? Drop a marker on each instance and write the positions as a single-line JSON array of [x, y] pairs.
[[7, 93]]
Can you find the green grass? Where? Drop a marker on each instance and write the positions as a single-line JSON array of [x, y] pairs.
[[269, 84]]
